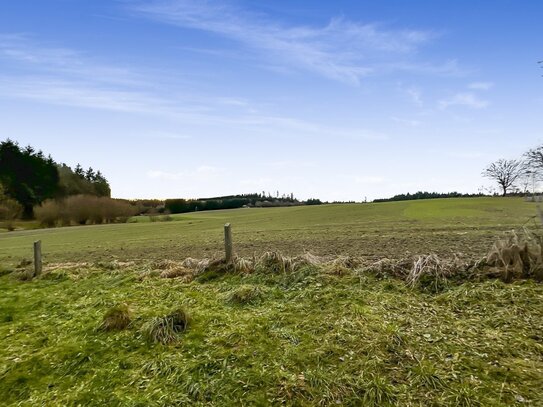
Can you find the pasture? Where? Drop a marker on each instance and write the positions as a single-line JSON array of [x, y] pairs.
[[311, 336]]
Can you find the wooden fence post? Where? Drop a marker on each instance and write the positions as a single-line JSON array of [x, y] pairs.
[[228, 242], [37, 258]]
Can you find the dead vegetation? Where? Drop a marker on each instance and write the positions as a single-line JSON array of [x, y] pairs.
[[517, 256], [173, 269]]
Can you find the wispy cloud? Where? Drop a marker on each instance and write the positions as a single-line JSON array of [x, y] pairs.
[[463, 99], [64, 77], [341, 49], [415, 95], [481, 85], [21, 49]]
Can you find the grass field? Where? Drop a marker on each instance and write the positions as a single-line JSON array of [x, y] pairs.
[[313, 336], [444, 226]]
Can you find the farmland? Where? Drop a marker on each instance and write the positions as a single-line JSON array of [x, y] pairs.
[[311, 336], [444, 226]]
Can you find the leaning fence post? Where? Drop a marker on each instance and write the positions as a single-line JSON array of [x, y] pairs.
[[37, 258], [228, 242]]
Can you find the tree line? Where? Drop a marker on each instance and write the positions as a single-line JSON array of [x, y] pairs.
[[28, 178], [426, 195], [517, 175], [229, 202]]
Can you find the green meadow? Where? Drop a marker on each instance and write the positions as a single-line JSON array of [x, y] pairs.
[[309, 336]]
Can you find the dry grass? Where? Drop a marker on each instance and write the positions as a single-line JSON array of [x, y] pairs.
[[243, 265], [518, 256], [396, 268], [195, 264], [178, 272], [116, 318], [431, 272], [275, 262]]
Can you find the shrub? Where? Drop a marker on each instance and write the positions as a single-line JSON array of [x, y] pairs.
[[48, 213], [84, 209], [10, 210]]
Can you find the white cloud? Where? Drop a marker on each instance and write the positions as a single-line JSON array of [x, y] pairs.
[[463, 99], [481, 85], [341, 50]]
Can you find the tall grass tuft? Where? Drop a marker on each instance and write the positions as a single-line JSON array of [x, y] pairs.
[[116, 318], [274, 262], [377, 390], [166, 329], [245, 295], [518, 256], [429, 272]]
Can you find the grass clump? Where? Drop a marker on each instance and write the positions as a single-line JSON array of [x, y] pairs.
[[116, 318], [275, 262], [518, 256], [377, 390], [243, 265], [24, 275], [166, 329], [245, 295], [430, 273]]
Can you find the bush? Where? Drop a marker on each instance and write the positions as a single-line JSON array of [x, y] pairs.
[[84, 209], [48, 213], [9, 211]]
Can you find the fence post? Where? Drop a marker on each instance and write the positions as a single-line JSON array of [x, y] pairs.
[[37, 258], [228, 242]]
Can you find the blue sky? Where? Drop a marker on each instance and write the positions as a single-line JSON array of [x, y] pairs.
[[339, 100]]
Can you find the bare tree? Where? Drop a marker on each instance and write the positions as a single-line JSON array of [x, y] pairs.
[[534, 158], [505, 173]]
